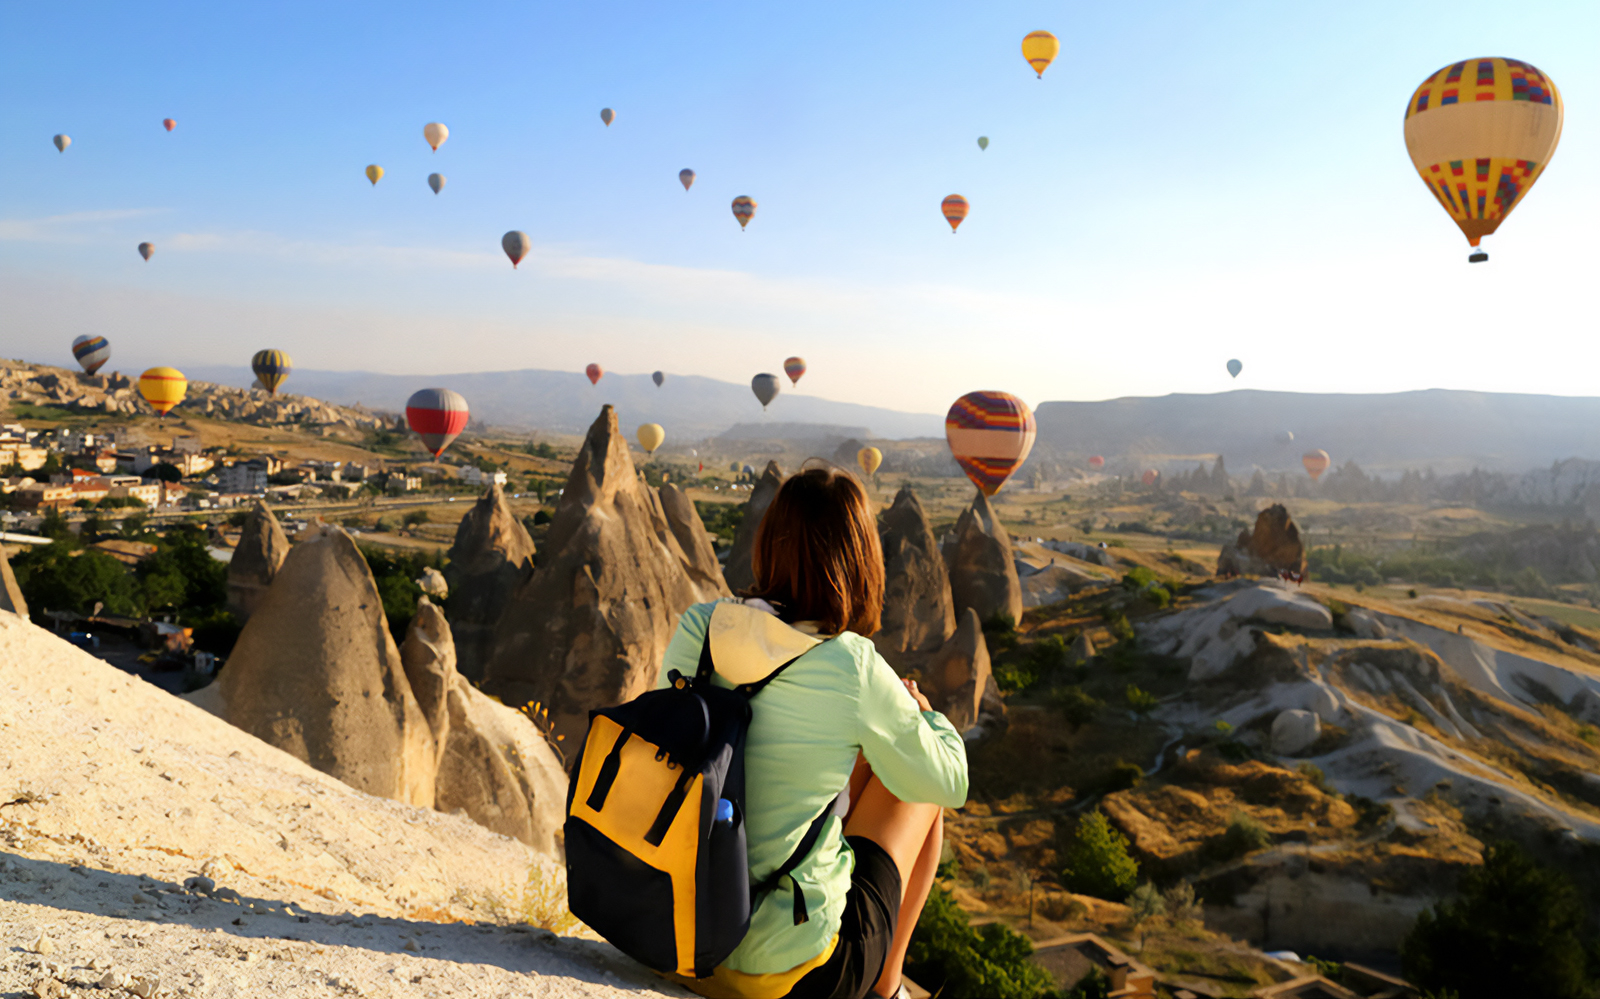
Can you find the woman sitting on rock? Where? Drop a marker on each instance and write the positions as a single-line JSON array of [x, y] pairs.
[[837, 717]]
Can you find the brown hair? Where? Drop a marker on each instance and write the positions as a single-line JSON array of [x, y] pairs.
[[817, 556]]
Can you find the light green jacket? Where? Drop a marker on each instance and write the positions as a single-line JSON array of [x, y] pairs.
[[805, 730]]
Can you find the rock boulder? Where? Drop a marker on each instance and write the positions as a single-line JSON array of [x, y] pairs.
[[491, 555], [736, 570], [316, 673], [983, 575], [957, 676], [589, 627], [1273, 547], [261, 551], [1294, 731], [699, 553], [918, 613]]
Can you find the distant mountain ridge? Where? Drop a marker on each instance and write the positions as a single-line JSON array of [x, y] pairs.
[[1448, 430], [689, 406]]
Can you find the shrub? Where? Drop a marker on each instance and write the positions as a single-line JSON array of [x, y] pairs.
[[415, 517], [1244, 835], [1516, 928], [1123, 775], [1314, 774], [1097, 861], [1013, 677], [948, 957], [1181, 904], [1121, 629], [1140, 702], [1077, 706]]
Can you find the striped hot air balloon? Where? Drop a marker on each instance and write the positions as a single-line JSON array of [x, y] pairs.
[[869, 458], [990, 435], [1316, 462], [163, 388], [271, 367], [92, 352], [1040, 48], [955, 209], [795, 368], [438, 415], [744, 209]]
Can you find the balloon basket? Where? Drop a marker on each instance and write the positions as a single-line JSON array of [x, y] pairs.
[[1477, 257]]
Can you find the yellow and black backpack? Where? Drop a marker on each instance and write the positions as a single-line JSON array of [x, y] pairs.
[[655, 835]]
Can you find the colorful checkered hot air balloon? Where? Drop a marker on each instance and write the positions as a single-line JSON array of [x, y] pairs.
[[795, 368], [92, 352], [271, 367], [1480, 133], [744, 209], [990, 435], [438, 415], [163, 388], [955, 209]]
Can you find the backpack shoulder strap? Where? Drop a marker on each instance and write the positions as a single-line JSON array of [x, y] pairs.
[[838, 806]]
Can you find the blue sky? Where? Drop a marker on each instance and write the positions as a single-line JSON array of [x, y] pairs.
[[1189, 182]]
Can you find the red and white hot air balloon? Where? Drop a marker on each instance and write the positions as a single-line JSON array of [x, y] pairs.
[[438, 415], [595, 373], [990, 435], [1316, 462]]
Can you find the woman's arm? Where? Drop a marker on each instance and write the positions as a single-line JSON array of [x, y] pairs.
[[917, 754]]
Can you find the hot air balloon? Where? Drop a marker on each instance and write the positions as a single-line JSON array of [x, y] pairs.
[[608, 116], [686, 178], [1316, 463], [1097, 462], [650, 437], [869, 458], [955, 209], [1480, 133], [92, 352], [744, 209], [438, 415], [983, 142], [271, 368], [516, 245], [1040, 49], [436, 181], [1150, 476], [794, 367], [658, 378], [595, 373], [765, 387], [435, 133], [1286, 437], [374, 174], [1234, 367], [145, 249], [990, 435], [168, 124], [62, 142], [163, 388]]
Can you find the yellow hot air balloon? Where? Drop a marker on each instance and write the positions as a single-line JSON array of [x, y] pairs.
[[1480, 132], [1040, 48], [650, 437], [163, 388], [374, 174], [869, 458]]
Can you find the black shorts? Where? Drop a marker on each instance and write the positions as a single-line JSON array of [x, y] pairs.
[[865, 930]]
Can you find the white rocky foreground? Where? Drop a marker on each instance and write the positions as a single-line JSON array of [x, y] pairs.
[[153, 849]]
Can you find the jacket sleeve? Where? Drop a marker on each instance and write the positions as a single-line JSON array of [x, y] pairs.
[[918, 755]]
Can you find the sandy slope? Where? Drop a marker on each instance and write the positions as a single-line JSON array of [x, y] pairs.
[[114, 793]]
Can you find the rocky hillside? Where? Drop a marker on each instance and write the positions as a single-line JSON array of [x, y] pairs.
[[115, 393]]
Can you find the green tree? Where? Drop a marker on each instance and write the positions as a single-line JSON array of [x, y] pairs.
[[1097, 861], [1515, 929], [1094, 985], [54, 525], [1140, 702], [182, 577], [1144, 905], [56, 577], [950, 958], [1077, 706], [415, 517], [163, 471]]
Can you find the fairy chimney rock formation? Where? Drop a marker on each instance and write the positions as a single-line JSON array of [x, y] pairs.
[[589, 627], [957, 675], [699, 553], [492, 763], [1273, 547], [918, 613], [10, 592], [316, 673], [491, 555], [977, 555], [260, 553], [737, 570]]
